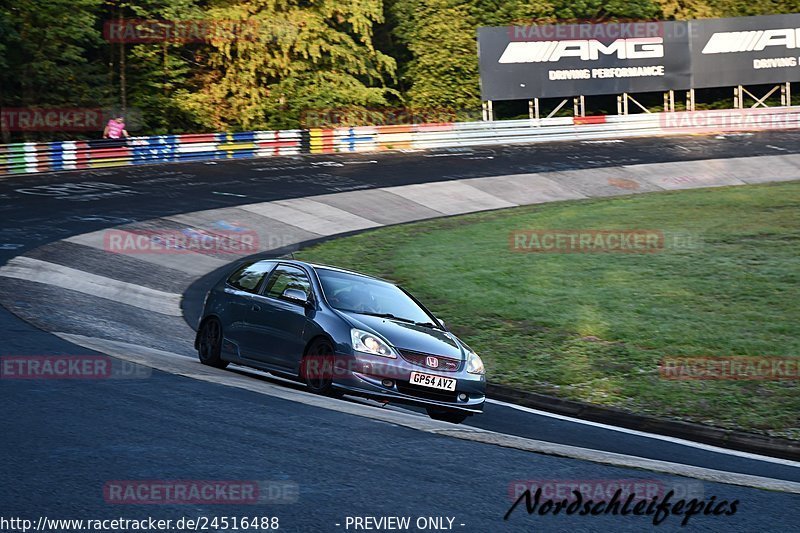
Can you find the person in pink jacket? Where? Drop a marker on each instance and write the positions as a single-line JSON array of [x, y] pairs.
[[115, 129]]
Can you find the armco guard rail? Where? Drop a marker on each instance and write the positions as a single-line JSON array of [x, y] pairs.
[[71, 155]]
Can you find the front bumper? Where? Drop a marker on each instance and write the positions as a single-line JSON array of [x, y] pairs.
[[367, 375]]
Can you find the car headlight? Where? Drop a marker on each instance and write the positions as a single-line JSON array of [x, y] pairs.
[[474, 363], [371, 344]]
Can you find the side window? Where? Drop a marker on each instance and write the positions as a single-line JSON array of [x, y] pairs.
[[249, 276], [287, 277]]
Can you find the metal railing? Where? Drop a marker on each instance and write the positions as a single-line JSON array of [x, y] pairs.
[[73, 155]]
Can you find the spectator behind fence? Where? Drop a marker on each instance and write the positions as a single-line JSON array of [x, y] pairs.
[[115, 129]]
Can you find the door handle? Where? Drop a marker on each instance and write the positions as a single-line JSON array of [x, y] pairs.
[[256, 307]]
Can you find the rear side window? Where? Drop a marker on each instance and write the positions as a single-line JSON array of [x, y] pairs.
[[249, 276], [287, 277]]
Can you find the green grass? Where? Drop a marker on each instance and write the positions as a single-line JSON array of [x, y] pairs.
[[593, 326]]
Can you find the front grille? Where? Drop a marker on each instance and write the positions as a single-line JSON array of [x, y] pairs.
[[426, 393], [445, 364]]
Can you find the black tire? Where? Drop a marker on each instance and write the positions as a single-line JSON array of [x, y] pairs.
[[316, 368], [209, 344], [454, 417]]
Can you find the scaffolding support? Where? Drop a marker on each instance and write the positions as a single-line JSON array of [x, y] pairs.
[[579, 106], [669, 101], [488, 112], [559, 106], [740, 94], [741, 100], [533, 109], [622, 104]]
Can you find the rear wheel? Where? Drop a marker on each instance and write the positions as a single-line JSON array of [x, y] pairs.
[[316, 368], [209, 346], [453, 417]]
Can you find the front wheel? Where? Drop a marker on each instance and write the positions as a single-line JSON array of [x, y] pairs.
[[209, 347], [316, 368], [453, 417]]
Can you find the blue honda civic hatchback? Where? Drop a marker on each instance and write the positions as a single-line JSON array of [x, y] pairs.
[[340, 332]]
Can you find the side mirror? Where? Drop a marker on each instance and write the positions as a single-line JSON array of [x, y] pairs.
[[295, 295], [441, 322]]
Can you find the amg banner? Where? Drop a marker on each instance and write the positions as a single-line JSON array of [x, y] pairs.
[[523, 62], [745, 50]]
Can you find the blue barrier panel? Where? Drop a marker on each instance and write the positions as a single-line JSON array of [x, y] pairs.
[[156, 149], [56, 155], [199, 156], [244, 136], [352, 139]]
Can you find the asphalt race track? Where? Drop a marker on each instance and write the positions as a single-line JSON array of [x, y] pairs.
[[65, 440]]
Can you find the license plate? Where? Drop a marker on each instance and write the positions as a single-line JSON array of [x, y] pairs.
[[434, 382]]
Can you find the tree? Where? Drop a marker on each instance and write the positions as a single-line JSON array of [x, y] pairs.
[[607, 10], [156, 73], [46, 50], [288, 56], [267, 62], [442, 73]]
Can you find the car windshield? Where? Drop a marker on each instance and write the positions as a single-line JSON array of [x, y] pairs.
[[360, 294]]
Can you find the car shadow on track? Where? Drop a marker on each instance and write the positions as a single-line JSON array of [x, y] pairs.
[[299, 386]]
